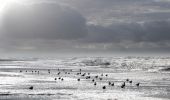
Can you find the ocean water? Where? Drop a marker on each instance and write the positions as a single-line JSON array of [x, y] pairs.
[[18, 75]]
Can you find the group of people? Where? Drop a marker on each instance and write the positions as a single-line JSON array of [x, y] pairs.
[[84, 75]]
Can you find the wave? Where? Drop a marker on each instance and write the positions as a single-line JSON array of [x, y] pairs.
[[166, 69], [96, 62]]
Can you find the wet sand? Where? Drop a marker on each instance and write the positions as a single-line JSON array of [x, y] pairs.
[[16, 81]]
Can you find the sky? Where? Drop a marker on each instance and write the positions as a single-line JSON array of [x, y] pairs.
[[84, 27]]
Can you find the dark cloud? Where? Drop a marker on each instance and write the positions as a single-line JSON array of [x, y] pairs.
[[162, 4], [84, 25], [43, 20], [157, 31], [104, 12], [154, 31]]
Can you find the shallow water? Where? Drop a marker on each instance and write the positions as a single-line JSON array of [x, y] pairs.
[[154, 82]]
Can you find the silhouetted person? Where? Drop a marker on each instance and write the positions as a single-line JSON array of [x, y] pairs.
[[78, 79], [78, 73], [83, 74], [123, 85], [112, 84], [95, 83], [106, 75], [87, 77], [127, 80], [92, 80], [130, 82], [55, 79], [62, 79], [104, 87], [137, 84], [100, 78], [31, 87], [96, 76], [109, 83]]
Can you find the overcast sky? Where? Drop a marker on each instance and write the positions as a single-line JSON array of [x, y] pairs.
[[84, 27]]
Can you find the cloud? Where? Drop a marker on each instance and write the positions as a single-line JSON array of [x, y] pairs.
[[106, 12], [157, 31], [43, 21], [82, 25], [154, 31]]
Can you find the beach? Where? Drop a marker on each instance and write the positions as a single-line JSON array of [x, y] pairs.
[[45, 76]]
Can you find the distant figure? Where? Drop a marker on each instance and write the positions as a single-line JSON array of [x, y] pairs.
[[78, 79], [110, 83], [38, 72], [104, 87], [58, 73], [78, 73], [96, 76], [48, 71], [88, 73], [100, 78], [83, 74], [137, 84], [102, 74], [26, 71], [32, 71], [106, 75], [20, 71], [87, 77], [31, 87], [92, 80], [59, 78], [123, 85], [127, 80], [95, 83], [130, 82], [80, 70], [55, 79], [62, 79], [58, 69], [70, 70]]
